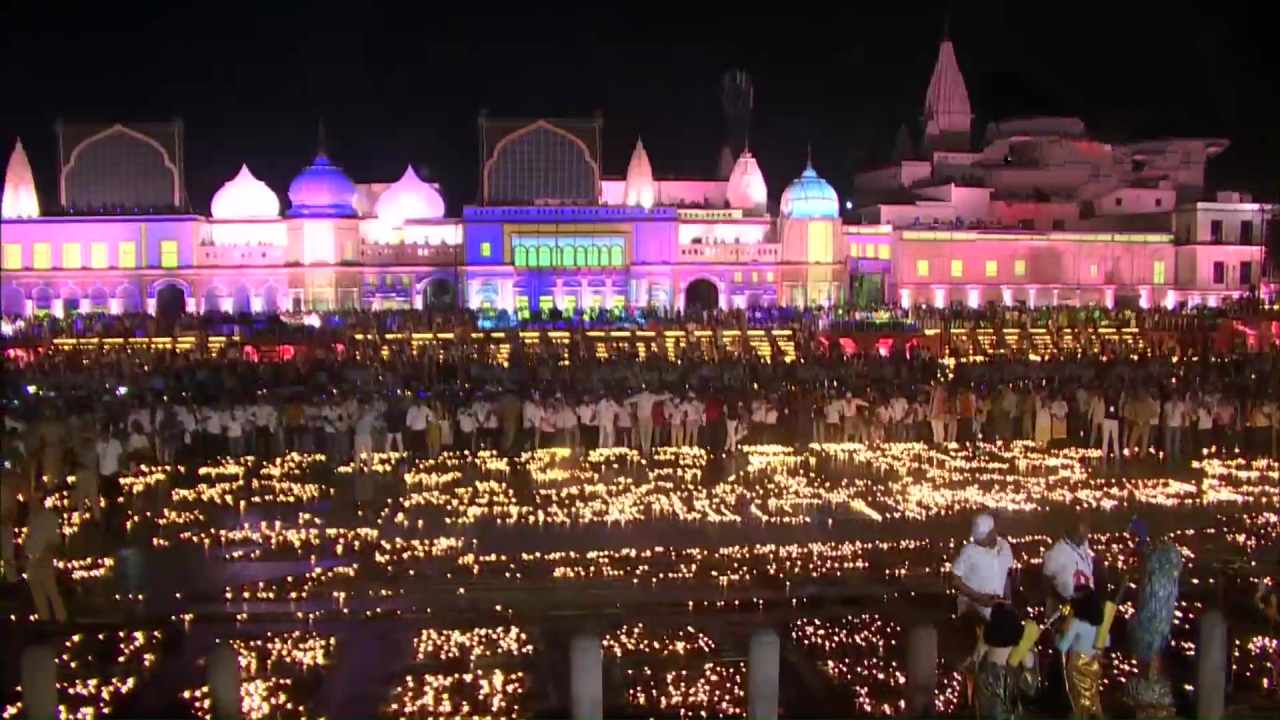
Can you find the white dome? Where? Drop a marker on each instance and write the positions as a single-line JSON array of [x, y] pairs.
[[408, 198], [747, 190], [244, 197]]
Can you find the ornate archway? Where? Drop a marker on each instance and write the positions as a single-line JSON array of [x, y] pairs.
[[701, 295]]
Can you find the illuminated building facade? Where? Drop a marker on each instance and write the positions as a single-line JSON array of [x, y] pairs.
[[1041, 215]]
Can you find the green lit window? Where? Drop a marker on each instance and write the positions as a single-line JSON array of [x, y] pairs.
[[615, 256], [485, 249], [127, 255], [544, 256], [922, 268], [957, 268], [168, 253], [580, 256], [521, 256], [12, 257], [1157, 273], [546, 302], [71, 256], [1020, 268], [593, 256], [41, 256], [570, 304], [522, 307], [566, 256], [993, 268]]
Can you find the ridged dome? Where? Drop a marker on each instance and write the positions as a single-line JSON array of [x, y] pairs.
[[810, 197], [408, 198], [322, 190], [639, 190], [244, 197], [747, 190]]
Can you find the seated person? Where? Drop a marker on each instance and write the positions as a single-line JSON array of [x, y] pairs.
[[1000, 689]]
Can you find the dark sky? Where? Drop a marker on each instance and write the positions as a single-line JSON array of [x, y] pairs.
[[404, 84]]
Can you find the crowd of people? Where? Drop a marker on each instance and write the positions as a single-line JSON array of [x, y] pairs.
[[174, 406]]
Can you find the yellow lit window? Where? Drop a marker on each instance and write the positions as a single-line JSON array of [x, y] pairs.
[[168, 253], [957, 268], [485, 249], [768, 276], [1020, 268], [98, 256], [12, 257], [855, 250], [820, 239], [737, 276], [41, 256], [883, 251], [869, 251], [71, 256], [127, 255], [755, 276], [922, 268], [993, 268], [1093, 270], [1157, 273]]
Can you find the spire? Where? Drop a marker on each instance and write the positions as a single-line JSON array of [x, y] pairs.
[[946, 103], [639, 189], [321, 149], [19, 200]]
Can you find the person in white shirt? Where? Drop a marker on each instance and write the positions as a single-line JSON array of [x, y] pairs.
[[40, 545], [109, 451], [234, 427], [586, 421], [468, 427], [415, 422], [980, 573], [1174, 411], [693, 411], [531, 412], [547, 425], [1068, 565], [1097, 414], [626, 424], [364, 432], [643, 402], [265, 420], [567, 425], [830, 430], [1204, 426], [606, 416]]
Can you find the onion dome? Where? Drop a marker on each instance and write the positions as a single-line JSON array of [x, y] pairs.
[[747, 190], [639, 190], [322, 190], [809, 197], [244, 197], [409, 198], [19, 200]]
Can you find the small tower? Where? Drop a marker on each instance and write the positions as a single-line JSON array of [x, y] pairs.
[[947, 114], [19, 200], [639, 190]]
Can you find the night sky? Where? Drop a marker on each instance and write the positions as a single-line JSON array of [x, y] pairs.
[[404, 84]]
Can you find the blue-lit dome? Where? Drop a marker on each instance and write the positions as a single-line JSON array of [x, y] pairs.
[[322, 190], [809, 197]]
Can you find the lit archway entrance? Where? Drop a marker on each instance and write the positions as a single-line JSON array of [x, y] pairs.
[[701, 295]]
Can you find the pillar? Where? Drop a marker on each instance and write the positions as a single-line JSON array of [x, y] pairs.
[[223, 680], [39, 682], [1211, 666], [922, 670], [586, 679], [762, 675], [55, 307]]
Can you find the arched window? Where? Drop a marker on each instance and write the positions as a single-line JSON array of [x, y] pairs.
[[615, 255], [566, 256], [521, 256], [544, 256], [593, 256], [581, 253]]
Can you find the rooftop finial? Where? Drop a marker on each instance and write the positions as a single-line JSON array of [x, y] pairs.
[[320, 140], [808, 154], [946, 24]]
